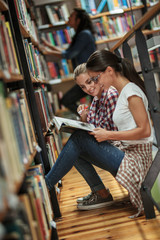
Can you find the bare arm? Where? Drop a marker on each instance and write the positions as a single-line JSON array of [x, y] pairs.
[[140, 116]]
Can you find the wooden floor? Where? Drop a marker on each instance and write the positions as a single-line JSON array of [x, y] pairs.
[[105, 223]]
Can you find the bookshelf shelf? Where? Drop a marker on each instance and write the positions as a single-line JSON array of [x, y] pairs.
[[49, 27], [47, 2], [37, 80], [135, 8], [24, 31], [145, 32], [8, 78], [30, 159], [26, 34], [3, 6], [61, 80]]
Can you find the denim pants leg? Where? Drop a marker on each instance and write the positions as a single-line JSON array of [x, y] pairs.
[[104, 155], [88, 172]]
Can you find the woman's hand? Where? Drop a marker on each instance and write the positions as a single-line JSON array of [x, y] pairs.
[[82, 110], [100, 134]]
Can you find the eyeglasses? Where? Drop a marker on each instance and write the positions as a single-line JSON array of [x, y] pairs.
[[95, 79]]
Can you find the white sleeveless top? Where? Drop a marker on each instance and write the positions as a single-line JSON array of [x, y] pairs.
[[122, 116]]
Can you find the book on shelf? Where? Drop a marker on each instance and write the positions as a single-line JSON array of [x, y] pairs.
[[31, 139], [31, 195], [92, 6], [3, 60], [69, 125], [33, 182], [3, 183], [54, 146], [41, 109], [15, 145], [6, 44], [51, 151], [153, 42], [35, 178], [102, 6], [20, 127], [57, 15], [16, 221], [16, 64], [25, 200], [154, 23]]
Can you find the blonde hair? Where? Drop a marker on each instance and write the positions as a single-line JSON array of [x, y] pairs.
[[79, 70]]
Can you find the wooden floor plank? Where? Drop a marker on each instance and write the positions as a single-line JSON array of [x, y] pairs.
[[110, 222]]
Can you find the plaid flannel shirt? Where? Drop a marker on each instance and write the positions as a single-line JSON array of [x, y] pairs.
[[101, 110]]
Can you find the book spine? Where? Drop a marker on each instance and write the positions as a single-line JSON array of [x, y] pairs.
[[85, 5], [13, 48], [92, 6], [110, 5], [101, 6]]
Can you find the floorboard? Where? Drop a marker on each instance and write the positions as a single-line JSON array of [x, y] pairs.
[[111, 222]]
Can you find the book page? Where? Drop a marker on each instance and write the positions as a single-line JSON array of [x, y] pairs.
[[65, 122]]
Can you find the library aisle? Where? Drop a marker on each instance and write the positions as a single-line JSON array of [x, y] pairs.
[[105, 223]]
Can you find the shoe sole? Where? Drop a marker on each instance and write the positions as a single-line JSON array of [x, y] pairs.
[[96, 206], [81, 201]]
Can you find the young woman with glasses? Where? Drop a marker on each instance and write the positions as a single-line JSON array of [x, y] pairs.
[[100, 114], [129, 159]]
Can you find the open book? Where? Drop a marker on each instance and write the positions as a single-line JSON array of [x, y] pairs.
[[69, 125]]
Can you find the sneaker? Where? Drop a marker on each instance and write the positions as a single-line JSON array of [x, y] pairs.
[[95, 201], [82, 199]]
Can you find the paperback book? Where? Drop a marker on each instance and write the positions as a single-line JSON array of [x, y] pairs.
[[69, 125]]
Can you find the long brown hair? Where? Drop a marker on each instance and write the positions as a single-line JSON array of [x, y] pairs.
[[85, 22], [101, 59]]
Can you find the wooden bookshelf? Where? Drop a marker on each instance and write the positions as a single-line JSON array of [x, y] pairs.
[[114, 39], [25, 144], [142, 22]]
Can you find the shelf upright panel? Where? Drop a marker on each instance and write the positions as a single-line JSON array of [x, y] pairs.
[[32, 102]]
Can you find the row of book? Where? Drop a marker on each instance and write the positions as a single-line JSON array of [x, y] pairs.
[[8, 57], [30, 215], [48, 104], [155, 22], [36, 62], [53, 145], [45, 106], [106, 27], [17, 144], [52, 14], [60, 69], [97, 6], [17, 136], [61, 37], [113, 26], [25, 208], [25, 19]]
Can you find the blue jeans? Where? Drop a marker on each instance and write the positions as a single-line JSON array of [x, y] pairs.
[[104, 155]]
